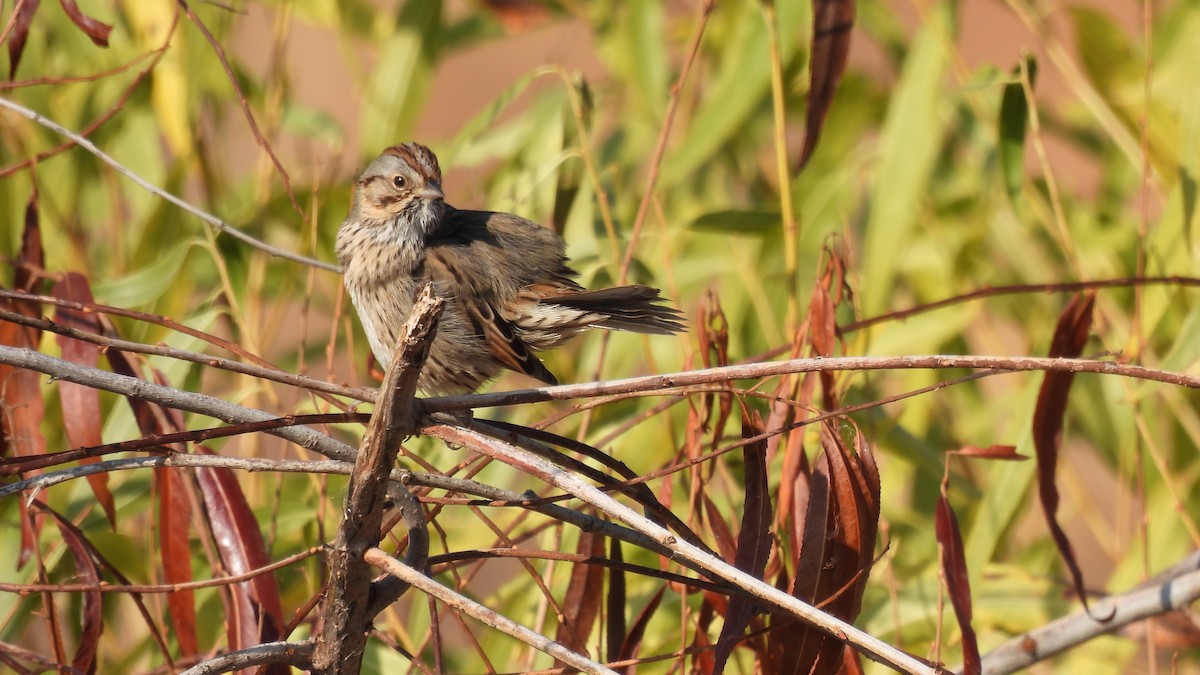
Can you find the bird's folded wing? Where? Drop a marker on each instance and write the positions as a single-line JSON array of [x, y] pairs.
[[503, 343]]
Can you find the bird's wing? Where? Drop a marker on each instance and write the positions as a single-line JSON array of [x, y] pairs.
[[503, 343], [478, 309]]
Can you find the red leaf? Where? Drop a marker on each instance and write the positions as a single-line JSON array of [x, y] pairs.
[[174, 546], [851, 662], [702, 657], [86, 572], [720, 529], [581, 605], [96, 30], [629, 648], [617, 600], [1070, 336], [998, 452], [837, 550], [954, 569], [823, 320], [20, 31], [832, 24], [81, 405], [793, 494], [257, 613], [20, 390], [754, 538]]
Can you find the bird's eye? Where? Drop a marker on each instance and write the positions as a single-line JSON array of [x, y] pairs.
[[398, 181]]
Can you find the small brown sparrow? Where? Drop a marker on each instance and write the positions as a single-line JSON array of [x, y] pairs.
[[508, 288]]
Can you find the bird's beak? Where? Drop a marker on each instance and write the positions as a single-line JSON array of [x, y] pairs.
[[432, 191]]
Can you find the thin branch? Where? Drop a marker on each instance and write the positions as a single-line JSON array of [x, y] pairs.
[[212, 220], [1056, 637], [656, 384], [180, 459], [483, 614], [103, 587], [490, 495], [297, 654], [272, 374], [660, 147], [171, 398], [18, 464], [244, 105], [1017, 289]]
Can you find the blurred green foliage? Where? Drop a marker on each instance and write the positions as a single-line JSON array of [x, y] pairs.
[[913, 175]]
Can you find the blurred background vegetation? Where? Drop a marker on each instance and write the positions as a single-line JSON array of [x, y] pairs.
[[553, 110]]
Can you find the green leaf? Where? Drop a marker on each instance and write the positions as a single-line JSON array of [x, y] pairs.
[[738, 88], [1014, 114], [313, 123], [400, 79], [1104, 49], [148, 284], [911, 137], [743, 222]]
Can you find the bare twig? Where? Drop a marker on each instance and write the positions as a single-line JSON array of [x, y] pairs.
[[171, 398], [155, 190], [1016, 289], [11, 466], [343, 636], [243, 104], [1176, 592], [660, 147], [52, 478], [479, 612], [291, 653], [262, 372], [656, 384], [161, 588], [155, 56]]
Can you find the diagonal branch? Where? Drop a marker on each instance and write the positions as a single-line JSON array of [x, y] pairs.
[[470, 607], [682, 551], [207, 217], [1175, 589]]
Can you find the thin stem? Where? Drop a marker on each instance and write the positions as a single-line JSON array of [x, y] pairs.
[[155, 190]]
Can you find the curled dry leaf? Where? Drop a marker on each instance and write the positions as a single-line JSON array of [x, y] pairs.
[[174, 546], [754, 538], [1070, 336], [97, 31], [174, 508], [21, 20], [86, 572], [836, 553], [629, 647], [954, 570], [255, 613], [581, 605], [833, 21]]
